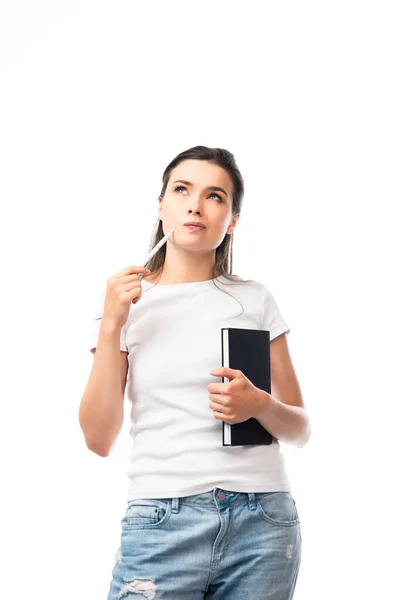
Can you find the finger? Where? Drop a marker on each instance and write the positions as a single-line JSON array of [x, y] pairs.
[[218, 401], [219, 416]]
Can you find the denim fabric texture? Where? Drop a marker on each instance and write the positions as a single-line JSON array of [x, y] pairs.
[[218, 545]]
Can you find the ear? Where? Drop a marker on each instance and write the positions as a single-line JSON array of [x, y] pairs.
[[160, 200], [233, 223]]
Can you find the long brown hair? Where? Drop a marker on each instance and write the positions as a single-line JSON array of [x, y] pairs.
[[223, 254]]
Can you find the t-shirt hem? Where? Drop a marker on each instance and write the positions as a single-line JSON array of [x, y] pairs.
[[277, 331], [244, 489]]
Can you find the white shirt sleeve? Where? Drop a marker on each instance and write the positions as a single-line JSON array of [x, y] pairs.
[[95, 328], [272, 319]]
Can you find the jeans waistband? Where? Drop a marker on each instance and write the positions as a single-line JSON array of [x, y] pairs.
[[216, 498]]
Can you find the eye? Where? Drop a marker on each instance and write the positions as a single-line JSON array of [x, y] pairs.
[[217, 196], [180, 187], [212, 194]]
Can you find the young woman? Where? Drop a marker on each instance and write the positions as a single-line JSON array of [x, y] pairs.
[[203, 520]]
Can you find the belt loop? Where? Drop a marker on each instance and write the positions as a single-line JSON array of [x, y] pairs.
[[252, 501], [175, 505]]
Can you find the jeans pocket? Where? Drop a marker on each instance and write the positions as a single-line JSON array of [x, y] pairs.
[[146, 514], [278, 508]]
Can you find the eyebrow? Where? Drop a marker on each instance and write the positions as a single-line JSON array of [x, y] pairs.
[[214, 188]]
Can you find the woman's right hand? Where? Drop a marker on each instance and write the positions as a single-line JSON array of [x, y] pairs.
[[123, 288]]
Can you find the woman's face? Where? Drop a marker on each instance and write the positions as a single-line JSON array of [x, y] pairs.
[[196, 202]]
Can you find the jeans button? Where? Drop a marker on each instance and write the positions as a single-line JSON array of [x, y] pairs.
[[221, 495]]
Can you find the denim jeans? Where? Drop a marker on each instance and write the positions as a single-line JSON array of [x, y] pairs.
[[219, 545]]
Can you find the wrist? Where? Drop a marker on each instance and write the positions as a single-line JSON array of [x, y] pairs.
[[109, 327], [262, 403]]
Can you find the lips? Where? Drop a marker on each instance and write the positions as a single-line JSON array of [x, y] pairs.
[[195, 224]]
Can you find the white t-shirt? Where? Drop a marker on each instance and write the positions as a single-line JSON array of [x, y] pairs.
[[173, 340]]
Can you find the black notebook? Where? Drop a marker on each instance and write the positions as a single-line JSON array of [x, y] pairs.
[[249, 351]]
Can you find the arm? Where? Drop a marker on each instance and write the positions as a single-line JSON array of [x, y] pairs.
[[101, 411], [282, 412]]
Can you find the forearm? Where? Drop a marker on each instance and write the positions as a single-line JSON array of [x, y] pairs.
[[101, 410], [290, 424]]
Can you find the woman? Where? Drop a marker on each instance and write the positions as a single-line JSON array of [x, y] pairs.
[[203, 520]]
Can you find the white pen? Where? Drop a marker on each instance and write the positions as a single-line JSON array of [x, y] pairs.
[[155, 249], [152, 253]]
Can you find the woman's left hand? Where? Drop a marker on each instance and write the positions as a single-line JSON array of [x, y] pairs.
[[238, 399]]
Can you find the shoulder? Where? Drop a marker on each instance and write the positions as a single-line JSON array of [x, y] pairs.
[[255, 288], [265, 292], [251, 287], [239, 281]]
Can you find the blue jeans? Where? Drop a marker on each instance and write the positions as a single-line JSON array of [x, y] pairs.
[[219, 545]]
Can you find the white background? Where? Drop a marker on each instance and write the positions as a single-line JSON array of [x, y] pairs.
[[96, 99]]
